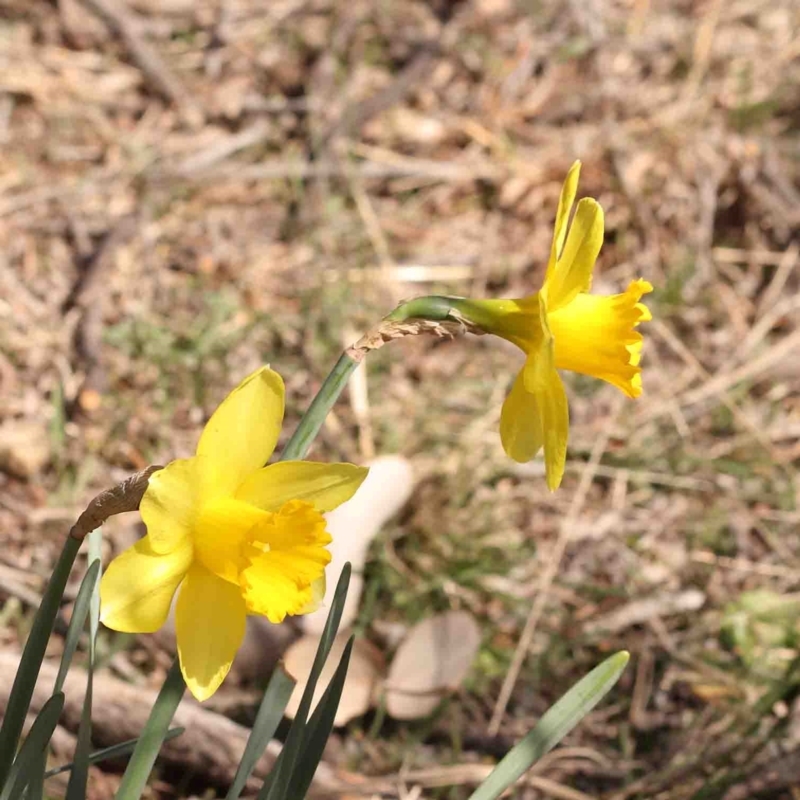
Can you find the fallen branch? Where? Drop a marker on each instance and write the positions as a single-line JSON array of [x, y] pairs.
[[211, 746]]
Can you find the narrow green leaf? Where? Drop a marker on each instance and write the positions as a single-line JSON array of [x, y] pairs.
[[556, 723], [155, 730], [95, 555], [277, 785], [79, 777], [33, 748], [319, 728], [77, 622], [115, 751], [269, 715], [35, 790], [31, 661]]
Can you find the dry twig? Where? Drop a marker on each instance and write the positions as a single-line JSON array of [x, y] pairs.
[[211, 745]]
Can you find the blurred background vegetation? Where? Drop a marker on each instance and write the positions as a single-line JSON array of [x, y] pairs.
[[190, 188]]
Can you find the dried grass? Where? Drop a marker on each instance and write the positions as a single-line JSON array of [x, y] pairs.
[[315, 162]]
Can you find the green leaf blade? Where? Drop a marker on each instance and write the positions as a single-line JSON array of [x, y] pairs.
[[134, 779], [554, 725], [269, 715], [114, 751], [33, 749], [80, 612], [36, 783], [276, 787], [32, 656], [79, 776], [319, 728]]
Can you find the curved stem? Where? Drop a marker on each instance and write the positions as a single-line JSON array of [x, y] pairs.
[[312, 420], [435, 308]]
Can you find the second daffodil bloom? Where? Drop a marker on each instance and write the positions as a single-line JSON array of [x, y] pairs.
[[564, 327], [232, 536]]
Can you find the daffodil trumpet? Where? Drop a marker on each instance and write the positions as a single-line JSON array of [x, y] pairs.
[[231, 536], [561, 326]]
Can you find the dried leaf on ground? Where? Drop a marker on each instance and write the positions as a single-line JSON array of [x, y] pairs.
[[354, 525], [432, 661], [363, 675]]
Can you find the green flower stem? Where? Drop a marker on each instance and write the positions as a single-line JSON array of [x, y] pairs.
[[506, 318], [435, 308], [312, 420], [153, 735]]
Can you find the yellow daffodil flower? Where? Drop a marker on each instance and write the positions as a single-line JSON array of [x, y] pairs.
[[564, 327], [237, 537]]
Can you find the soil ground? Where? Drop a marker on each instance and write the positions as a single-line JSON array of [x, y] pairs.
[[190, 188]]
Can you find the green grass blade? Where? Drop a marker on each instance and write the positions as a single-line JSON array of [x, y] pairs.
[[277, 786], [33, 748], [319, 728], [557, 722], [31, 661], [76, 624], [155, 729], [268, 718], [79, 777], [115, 751]]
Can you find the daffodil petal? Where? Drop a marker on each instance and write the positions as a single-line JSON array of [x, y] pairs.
[[209, 623], [543, 382], [520, 423], [565, 201], [555, 420], [318, 588], [241, 434], [169, 504], [220, 533], [137, 588], [286, 560], [573, 272], [275, 585], [596, 335], [326, 486]]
